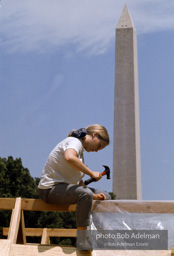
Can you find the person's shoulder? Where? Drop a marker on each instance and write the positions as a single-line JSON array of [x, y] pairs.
[[73, 140], [70, 140]]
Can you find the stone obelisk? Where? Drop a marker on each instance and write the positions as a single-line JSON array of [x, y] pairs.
[[126, 159]]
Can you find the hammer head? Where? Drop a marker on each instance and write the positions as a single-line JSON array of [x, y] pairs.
[[106, 171]]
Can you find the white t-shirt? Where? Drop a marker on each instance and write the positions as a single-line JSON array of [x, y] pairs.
[[57, 170]]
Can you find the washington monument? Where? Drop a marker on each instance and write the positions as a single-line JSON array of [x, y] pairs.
[[127, 162]]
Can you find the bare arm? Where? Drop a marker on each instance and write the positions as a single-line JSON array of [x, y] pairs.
[[71, 157]]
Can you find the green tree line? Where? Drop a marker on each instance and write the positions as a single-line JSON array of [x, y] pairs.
[[16, 181]]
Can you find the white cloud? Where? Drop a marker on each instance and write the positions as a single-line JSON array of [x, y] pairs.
[[42, 25]]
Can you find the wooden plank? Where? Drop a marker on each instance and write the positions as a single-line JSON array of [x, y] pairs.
[[133, 206], [62, 232], [46, 250], [4, 247], [52, 232], [34, 205], [23, 228], [98, 206], [14, 222], [5, 231], [45, 238], [38, 250], [40, 205], [7, 203]]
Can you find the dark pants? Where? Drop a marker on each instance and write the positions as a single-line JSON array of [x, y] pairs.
[[66, 194]]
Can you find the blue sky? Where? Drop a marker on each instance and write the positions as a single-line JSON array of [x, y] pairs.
[[57, 62]]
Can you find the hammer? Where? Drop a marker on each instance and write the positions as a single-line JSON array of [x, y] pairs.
[[105, 172]]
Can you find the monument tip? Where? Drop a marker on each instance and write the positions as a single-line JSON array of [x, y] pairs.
[[125, 20]]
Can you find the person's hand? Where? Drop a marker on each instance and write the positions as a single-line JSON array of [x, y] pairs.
[[100, 196], [96, 175]]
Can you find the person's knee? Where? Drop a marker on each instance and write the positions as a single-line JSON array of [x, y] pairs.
[[87, 194]]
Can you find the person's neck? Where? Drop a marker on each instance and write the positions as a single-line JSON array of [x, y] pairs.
[[85, 141]]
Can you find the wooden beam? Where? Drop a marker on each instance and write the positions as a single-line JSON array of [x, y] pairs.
[[34, 205], [7, 203], [14, 222], [5, 247], [45, 238], [133, 206], [62, 232], [52, 232], [40, 205], [23, 228], [47, 250]]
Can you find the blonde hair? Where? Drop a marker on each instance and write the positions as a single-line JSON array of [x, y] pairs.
[[100, 130]]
